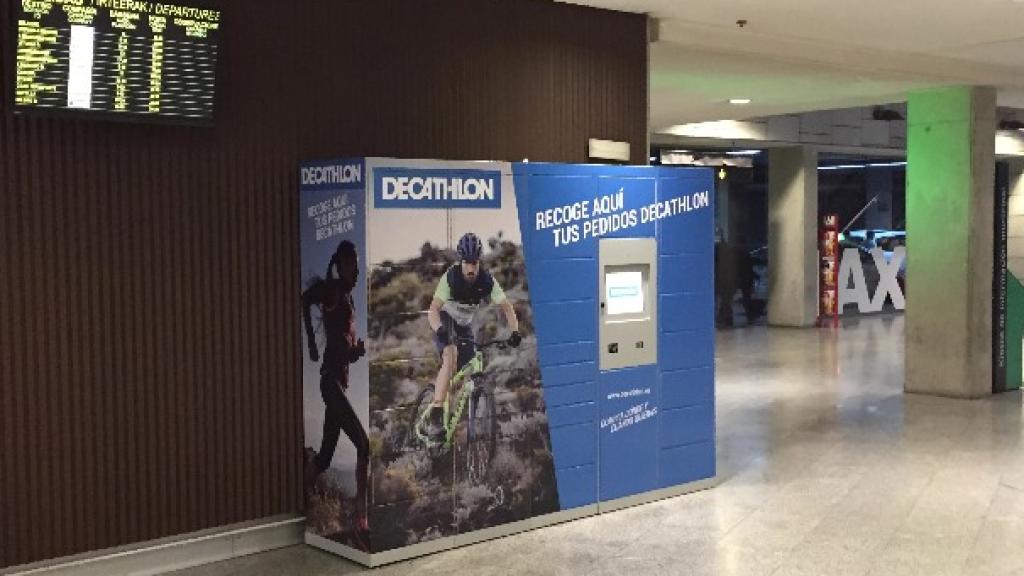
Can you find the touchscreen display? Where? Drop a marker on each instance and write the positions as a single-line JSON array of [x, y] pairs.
[[624, 292]]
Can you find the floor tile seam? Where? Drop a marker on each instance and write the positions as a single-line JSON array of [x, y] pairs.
[[889, 533], [826, 452], [881, 457], [937, 512], [614, 552], [786, 551], [617, 552], [981, 526], [742, 466], [900, 527], [785, 441], [967, 501], [586, 563], [736, 524], [862, 476], [788, 554], [958, 566], [814, 529]]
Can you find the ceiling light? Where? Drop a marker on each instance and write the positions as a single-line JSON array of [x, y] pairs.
[[739, 101], [743, 152], [862, 166], [843, 167]]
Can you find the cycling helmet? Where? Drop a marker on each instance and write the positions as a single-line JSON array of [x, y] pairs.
[[470, 248]]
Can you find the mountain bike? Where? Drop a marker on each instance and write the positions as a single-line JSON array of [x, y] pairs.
[[481, 423]]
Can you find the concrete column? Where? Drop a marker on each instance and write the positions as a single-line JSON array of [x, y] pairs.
[[879, 183], [950, 203], [792, 236]]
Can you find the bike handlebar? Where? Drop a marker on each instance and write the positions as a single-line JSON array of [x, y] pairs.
[[504, 343]]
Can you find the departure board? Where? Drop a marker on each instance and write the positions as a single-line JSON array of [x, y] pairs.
[[129, 57]]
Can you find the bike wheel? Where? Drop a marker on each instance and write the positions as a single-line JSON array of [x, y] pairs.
[[423, 403], [482, 434]]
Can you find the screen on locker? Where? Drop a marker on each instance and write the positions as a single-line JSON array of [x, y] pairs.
[[624, 292]]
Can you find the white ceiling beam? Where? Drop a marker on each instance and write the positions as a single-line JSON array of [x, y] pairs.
[[744, 41]]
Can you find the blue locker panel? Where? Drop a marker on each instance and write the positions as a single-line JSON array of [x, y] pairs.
[[556, 196], [686, 312], [629, 431], [688, 349], [566, 321], [563, 279], [669, 439], [563, 374], [689, 425], [636, 194], [687, 387], [689, 232], [687, 273], [563, 289], [569, 353], [686, 339], [683, 464], [572, 414], [575, 445], [577, 486], [555, 396]]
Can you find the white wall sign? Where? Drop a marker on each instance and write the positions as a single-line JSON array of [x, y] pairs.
[[608, 150]]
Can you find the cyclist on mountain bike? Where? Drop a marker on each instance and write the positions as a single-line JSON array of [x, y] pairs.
[[333, 296], [459, 293]]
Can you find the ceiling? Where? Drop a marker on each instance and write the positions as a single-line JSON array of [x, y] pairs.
[[802, 55]]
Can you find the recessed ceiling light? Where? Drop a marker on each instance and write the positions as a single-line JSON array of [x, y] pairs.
[[739, 101]]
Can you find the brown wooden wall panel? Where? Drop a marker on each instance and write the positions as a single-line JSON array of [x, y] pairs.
[[149, 376]]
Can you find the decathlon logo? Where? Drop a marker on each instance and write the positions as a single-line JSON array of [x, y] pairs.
[[332, 174], [426, 188]]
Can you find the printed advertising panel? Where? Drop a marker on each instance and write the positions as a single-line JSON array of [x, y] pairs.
[[459, 432], [479, 401], [335, 374]]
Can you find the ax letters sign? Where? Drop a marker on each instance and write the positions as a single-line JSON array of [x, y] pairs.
[[853, 288]]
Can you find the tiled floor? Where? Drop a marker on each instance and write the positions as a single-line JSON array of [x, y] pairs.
[[825, 467]]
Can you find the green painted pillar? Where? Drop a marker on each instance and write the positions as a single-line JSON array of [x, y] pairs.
[[950, 203]]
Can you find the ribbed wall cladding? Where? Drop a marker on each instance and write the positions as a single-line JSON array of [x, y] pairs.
[[149, 377]]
